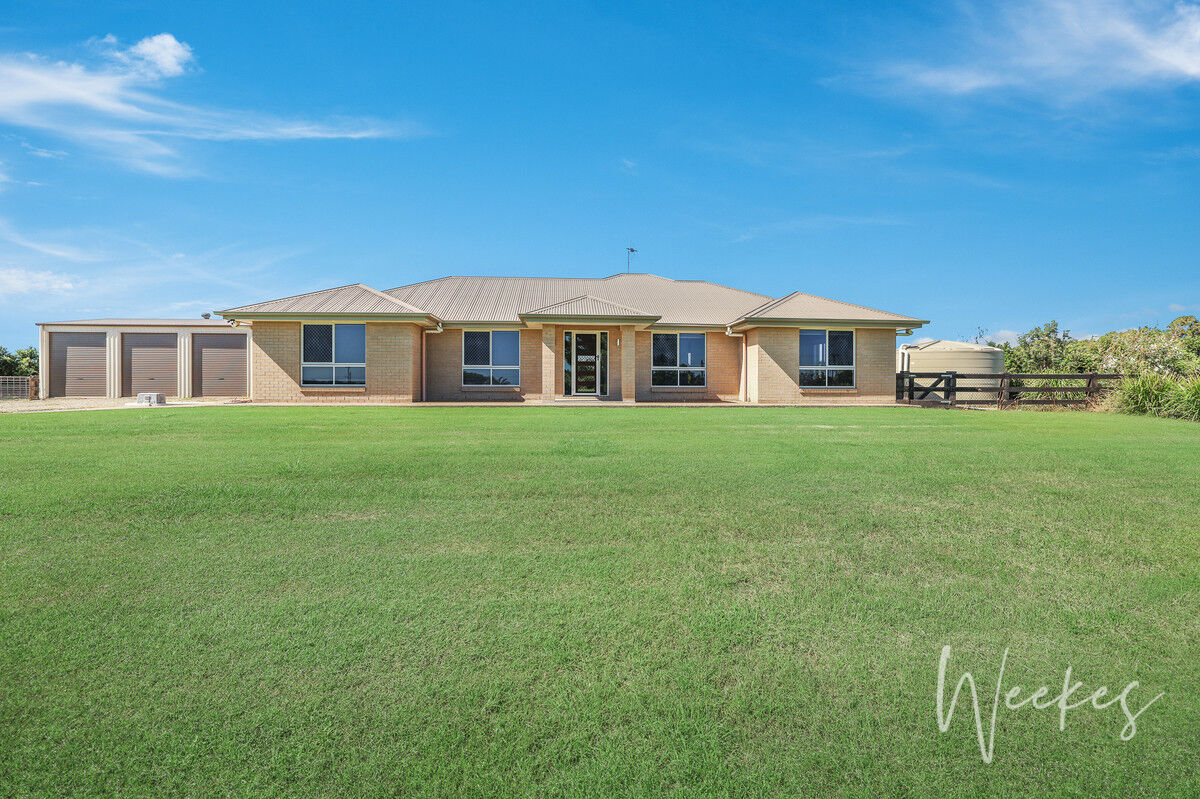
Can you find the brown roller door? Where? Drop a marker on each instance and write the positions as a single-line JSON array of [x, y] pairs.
[[77, 364], [149, 362], [218, 365]]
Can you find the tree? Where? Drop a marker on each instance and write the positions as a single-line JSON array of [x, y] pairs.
[[1187, 328], [1043, 349], [21, 362], [27, 361]]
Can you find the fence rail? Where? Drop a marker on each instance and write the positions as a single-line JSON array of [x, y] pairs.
[[17, 387], [1003, 389]]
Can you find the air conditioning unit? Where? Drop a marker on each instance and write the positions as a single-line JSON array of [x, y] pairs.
[[150, 398]]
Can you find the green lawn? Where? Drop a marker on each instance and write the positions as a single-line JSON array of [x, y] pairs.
[[457, 601]]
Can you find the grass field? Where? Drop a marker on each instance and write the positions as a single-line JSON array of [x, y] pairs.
[[456, 601]]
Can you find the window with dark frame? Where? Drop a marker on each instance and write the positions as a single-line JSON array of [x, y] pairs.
[[491, 358], [679, 359], [827, 359], [333, 355]]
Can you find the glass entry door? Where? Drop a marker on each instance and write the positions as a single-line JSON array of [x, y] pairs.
[[587, 363]]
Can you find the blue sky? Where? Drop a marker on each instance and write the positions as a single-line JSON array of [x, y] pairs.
[[979, 165]]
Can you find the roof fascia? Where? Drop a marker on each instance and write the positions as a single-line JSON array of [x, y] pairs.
[[899, 324], [427, 320]]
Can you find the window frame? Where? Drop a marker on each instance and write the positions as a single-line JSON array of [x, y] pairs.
[[332, 363], [677, 368], [490, 366], [828, 367]]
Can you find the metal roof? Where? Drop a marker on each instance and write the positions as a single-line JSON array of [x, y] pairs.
[[588, 306], [353, 299], [945, 345], [143, 322], [801, 306], [504, 299], [507, 299]]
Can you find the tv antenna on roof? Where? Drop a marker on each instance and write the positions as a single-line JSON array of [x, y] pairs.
[[629, 251]]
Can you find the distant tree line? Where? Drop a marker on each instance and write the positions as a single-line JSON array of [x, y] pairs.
[[21, 362], [1172, 351], [1161, 365]]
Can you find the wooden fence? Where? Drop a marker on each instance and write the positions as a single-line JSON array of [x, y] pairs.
[[1002, 389]]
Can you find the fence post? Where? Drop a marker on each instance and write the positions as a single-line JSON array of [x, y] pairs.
[[900, 385], [33, 387], [1002, 394], [1093, 387], [912, 386], [950, 393]]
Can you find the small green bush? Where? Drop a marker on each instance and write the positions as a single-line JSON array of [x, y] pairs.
[[1189, 398], [1154, 394]]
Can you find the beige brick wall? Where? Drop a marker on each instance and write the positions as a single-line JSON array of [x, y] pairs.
[[775, 353], [774, 365], [875, 357], [724, 369], [444, 370], [393, 365]]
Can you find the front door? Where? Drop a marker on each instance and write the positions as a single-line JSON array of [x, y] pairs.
[[587, 359]]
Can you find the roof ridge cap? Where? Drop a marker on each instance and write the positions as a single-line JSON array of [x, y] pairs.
[[587, 297], [295, 296], [389, 297]]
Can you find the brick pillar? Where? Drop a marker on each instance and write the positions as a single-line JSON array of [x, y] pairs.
[[549, 359], [628, 359]]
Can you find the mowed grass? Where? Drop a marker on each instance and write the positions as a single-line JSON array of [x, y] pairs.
[[705, 602]]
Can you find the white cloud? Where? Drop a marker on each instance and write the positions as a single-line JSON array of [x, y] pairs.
[[1067, 48], [1176, 308], [115, 105], [14, 280], [123, 276], [161, 54], [42, 152], [53, 249]]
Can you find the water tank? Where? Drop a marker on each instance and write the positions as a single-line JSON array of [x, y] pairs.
[[954, 356]]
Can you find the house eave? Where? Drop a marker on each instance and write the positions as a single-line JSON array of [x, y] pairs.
[[898, 324], [538, 320], [425, 320]]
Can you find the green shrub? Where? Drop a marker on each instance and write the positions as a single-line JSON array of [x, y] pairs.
[[1154, 394], [1189, 398]]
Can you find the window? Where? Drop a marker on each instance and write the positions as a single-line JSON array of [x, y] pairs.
[[677, 359], [333, 355], [491, 358], [827, 358]]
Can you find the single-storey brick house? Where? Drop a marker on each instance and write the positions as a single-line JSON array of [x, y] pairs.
[[628, 338]]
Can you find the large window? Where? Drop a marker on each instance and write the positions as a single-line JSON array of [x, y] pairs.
[[334, 355], [678, 359], [827, 358], [491, 358]]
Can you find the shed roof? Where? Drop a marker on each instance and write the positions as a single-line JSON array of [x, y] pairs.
[[946, 345], [143, 322]]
